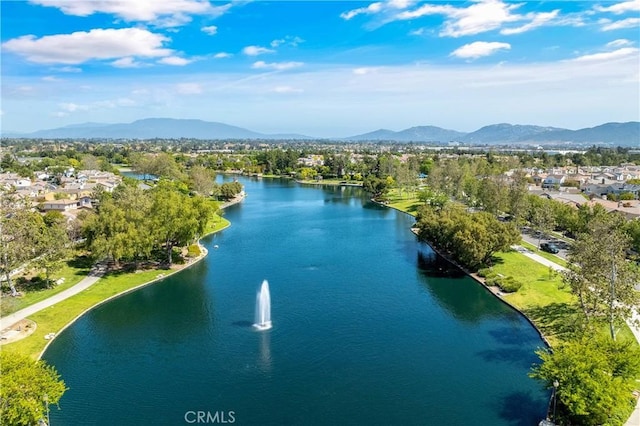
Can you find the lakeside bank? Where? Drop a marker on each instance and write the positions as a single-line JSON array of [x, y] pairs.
[[629, 332], [53, 319]]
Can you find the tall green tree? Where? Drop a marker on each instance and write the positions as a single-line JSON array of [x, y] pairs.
[[27, 389], [52, 246], [603, 279], [19, 235], [202, 180], [595, 378]]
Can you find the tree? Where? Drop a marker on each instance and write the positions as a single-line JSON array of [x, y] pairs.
[[175, 219], [375, 186], [27, 389], [595, 379], [18, 241], [542, 216], [52, 247], [471, 238], [603, 279], [202, 180]]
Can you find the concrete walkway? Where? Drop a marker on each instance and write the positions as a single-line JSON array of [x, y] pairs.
[[538, 258], [634, 420], [93, 276]]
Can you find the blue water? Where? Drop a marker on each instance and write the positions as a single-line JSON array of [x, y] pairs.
[[369, 328]]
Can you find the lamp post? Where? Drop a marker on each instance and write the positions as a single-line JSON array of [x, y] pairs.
[[46, 402], [555, 390]]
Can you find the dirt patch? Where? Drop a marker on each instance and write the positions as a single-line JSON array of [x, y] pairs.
[[17, 331]]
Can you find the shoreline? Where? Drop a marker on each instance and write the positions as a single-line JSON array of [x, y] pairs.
[[495, 291], [161, 276]]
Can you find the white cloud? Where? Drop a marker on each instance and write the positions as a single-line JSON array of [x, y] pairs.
[[189, 88], [210, 30], [479, 49], [81, 46], [608, 56], [278, 66], [166, 12], [371, 9], [277, 43], [621, 42], [291, 41], [71, 107], [417, 32], [286, 89], [539, 19], [619, 8], [174, 60], [68, 69], [482, 16], [609, 25], [126, 62], [561, 93], [256, 50], [222, 55], [363, 70], [51, 78]]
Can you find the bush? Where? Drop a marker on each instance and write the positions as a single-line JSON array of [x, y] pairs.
[[509, 284], [492, 281], [484, 272], [193, 250]]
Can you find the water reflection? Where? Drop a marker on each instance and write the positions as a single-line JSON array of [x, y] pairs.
[[454, 291], [265, 361], [189, 303]]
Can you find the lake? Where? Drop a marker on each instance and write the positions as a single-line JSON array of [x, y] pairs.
[[369, 327]]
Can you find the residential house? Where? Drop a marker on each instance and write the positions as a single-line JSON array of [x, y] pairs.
[[553, 181], [61, 205]]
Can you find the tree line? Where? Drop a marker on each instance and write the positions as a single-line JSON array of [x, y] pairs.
[[133, 224]]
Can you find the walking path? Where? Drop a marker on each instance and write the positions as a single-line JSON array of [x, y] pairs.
[[94, 275], [538, 258], [634, 420]]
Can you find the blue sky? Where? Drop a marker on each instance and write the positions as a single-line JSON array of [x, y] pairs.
[[323, 68]]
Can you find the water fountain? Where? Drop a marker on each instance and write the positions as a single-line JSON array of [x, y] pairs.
[[263, 308]]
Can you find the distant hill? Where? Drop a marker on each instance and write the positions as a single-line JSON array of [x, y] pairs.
[[150, 128], [506, 133], [413, 134], [616, 134]]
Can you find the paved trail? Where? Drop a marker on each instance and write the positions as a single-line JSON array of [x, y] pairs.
[[86, 282]]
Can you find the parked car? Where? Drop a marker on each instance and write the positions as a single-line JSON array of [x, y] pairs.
[[549, 248]]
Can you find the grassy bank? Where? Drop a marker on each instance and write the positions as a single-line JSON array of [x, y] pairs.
[[55, 318], [543, 298], [333, 182]]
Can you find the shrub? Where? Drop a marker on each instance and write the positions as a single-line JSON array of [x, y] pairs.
[[491, 281], [509, 284], [484, 272], [193, 250]]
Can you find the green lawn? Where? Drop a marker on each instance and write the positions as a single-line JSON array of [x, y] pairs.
[[73, 271], [543, 298], [405, 201]]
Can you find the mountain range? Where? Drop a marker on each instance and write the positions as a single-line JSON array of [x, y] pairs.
[[618, 134]]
